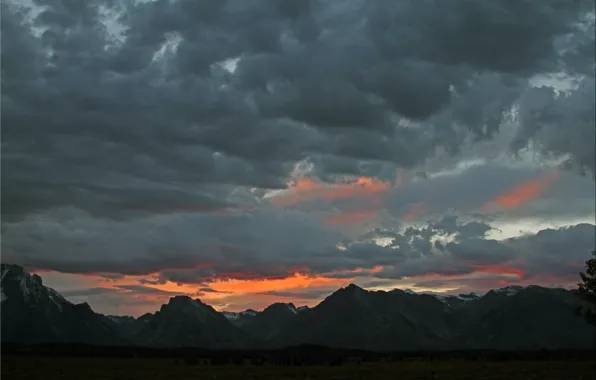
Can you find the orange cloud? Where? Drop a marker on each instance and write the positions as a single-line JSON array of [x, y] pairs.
[[253, 289], [505, 269], [415, 211], [292, 282], [303, 189], [238, 294], [375, 269], [524, 193]]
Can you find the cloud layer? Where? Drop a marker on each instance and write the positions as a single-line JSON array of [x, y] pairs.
[[191, 142]]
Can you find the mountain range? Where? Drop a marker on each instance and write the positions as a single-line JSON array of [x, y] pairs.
[[511, 318]]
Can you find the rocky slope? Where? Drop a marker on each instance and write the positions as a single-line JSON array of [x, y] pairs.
[[34, 313]]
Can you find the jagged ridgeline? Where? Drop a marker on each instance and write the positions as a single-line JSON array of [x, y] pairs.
[[511, 318]]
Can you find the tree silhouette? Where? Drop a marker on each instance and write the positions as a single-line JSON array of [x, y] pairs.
[[587, 289]]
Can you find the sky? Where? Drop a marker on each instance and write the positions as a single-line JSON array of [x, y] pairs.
[[251, 152]]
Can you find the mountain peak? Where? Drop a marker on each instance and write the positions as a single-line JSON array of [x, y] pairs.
[[184, 300], [15, 281], [281, 307], [510, 290], [12, 268], [186, 305], [347, 294], [468, 296], [36, 279], [39, 314], [34, 313], [354, 288]]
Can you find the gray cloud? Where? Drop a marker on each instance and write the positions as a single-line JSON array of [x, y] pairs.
[[543, 112], [101, 118], [119, 289], [74, 242], [140, 289], [272, 243], [467, 191], [550, 252], [487, 282], [86, 292], [485, 251], [558, 251], [129, 147]]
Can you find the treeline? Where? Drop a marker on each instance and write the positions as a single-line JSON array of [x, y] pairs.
[[301, 355]]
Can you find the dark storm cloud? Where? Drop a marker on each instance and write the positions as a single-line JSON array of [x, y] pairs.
[[194, 246], [559, 251], [117, 290], [140, 289], [449, 225], [103, 119], [376, 283], [543, 113], [578, 48], [128, 147], [274, 243], [485, 251], [86, 292], [412, 254]]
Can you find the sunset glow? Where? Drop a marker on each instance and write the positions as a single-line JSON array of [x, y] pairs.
[[183, 161], [303, 189], [236, 288], [523, 193]]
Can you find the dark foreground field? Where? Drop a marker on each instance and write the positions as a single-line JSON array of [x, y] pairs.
[[29, 367]]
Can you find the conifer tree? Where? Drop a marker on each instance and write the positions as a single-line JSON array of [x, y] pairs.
[[587, 290]]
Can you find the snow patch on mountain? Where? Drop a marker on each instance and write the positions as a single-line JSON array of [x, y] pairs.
[[24, 287], [460, 297], [115, 319], [233, 316], [510, 290], [56, 298], [301, 308], [4, 273], [3, 296], [467, 297], [444, 299], [292, 308]]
